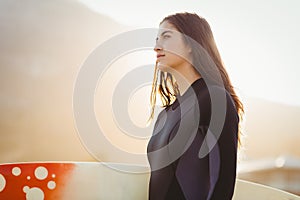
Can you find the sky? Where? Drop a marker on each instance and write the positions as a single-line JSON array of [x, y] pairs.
[[258, 40]]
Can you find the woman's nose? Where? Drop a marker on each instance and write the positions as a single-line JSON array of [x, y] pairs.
[[157, 46]]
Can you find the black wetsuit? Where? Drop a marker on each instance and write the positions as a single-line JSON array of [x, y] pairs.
[[177, 170]]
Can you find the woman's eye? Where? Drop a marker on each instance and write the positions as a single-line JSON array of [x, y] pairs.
[[167, 36]]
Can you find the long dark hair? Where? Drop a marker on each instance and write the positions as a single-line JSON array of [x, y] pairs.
[[197, 29]]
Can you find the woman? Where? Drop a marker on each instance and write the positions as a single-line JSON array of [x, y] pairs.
[[193, 149]]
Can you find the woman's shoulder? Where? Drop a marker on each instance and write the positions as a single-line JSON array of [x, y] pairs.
[[215, 94]]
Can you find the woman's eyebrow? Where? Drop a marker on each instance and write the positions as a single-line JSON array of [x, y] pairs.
[[166, 32]]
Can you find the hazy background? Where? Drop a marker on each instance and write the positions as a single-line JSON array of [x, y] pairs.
[[44, 43]]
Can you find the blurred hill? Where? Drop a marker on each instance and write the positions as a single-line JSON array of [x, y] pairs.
[[271, 129], [43, 44]]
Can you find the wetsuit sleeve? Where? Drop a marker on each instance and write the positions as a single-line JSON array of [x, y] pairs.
[[211, 176], [227, 143]]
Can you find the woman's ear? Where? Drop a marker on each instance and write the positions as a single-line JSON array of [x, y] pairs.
[[189, 48]]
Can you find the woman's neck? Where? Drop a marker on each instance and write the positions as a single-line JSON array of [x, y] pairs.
[[185, 76]]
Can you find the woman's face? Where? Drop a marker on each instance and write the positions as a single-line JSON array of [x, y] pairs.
[[171, 50]]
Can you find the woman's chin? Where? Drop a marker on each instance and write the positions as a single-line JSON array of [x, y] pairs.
[[163, 67]]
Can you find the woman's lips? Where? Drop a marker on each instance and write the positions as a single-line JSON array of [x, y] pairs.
[[159, 55]]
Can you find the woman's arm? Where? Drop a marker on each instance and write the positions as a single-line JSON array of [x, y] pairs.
[[213, 176]]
